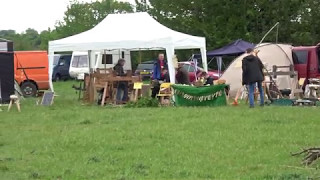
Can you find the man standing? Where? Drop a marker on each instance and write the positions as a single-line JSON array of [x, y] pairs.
[[160, 73], [252, 74], [122, 86], [159, 65]]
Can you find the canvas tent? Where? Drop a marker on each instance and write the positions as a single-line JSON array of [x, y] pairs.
[[133, 31], [270, 54]]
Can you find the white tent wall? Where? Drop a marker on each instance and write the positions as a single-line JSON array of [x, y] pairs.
[[51, 59], [92, 60], [204, 58], [219, 63], [172, 71], [270, 54]]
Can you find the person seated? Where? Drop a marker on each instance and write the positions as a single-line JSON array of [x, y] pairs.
[[182, 75], [164, 77], [122, 86], [207, 79]]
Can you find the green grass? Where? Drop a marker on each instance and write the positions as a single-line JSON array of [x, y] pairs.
[[73, 141]]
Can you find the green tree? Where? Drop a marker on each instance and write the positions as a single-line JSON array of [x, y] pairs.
[[307, 31], [7, 34], [80, 17], [46, 36], [223, 21], [29, 40], [219, 21]]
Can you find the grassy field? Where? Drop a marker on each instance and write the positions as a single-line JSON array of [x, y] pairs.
[[73, 141]]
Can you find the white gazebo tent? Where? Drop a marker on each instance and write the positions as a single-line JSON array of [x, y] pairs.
[[133, 31]]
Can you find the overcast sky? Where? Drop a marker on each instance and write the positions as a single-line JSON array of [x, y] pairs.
[[37, 14]]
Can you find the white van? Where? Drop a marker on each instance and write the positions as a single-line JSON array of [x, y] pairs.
[[104, 59]]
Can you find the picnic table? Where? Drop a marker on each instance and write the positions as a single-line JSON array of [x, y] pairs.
[[98, 81]]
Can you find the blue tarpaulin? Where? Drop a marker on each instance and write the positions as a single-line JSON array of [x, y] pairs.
[[235, 48]]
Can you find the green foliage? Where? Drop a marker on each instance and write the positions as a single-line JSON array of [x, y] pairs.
[[29, 40], [144, 102], [80, 17], [219, 21], [223, 21]]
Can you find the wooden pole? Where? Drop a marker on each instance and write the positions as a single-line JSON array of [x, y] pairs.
[[105, 61], [140, 56]]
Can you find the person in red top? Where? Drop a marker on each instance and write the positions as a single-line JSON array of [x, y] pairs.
[[160, 73], [159, 65], [161, 62]]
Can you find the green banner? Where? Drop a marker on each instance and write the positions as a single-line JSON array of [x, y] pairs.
[[200, 96]]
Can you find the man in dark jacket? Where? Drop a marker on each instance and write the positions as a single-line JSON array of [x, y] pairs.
[[252, 74], [182, 75], [121, 86]]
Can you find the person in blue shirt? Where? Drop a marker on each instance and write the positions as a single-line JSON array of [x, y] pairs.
[[159, 65], [160, 73]]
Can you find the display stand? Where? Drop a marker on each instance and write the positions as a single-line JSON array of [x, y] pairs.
[[289, 71]]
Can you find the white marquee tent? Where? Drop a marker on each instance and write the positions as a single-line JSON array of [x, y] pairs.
[[133, 31]]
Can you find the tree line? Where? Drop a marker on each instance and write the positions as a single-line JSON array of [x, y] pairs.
[[219, 21]]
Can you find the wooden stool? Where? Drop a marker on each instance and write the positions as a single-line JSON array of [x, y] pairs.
[[14, 99]]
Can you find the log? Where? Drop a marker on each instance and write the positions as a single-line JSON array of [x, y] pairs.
[[312, 154]]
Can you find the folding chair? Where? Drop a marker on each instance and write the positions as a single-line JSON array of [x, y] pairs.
[[164, 92]]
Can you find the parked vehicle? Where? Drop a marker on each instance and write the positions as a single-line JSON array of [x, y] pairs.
[[307, 61], [31, 71], [79, 65], [61, 65], [190, 67], [145, 69], [80, 62]]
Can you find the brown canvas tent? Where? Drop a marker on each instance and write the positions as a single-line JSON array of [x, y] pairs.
[[270, 54]]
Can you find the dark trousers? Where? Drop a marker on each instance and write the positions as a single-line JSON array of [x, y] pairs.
[[251, 88], [122, 87], [155, 91]]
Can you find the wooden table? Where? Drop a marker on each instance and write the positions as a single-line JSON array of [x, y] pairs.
[[106, 82]]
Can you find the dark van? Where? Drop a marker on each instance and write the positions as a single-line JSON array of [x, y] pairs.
[[61, 65], [145, 70]]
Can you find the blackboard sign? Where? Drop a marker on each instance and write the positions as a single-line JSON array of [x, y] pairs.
[[47, 99]]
